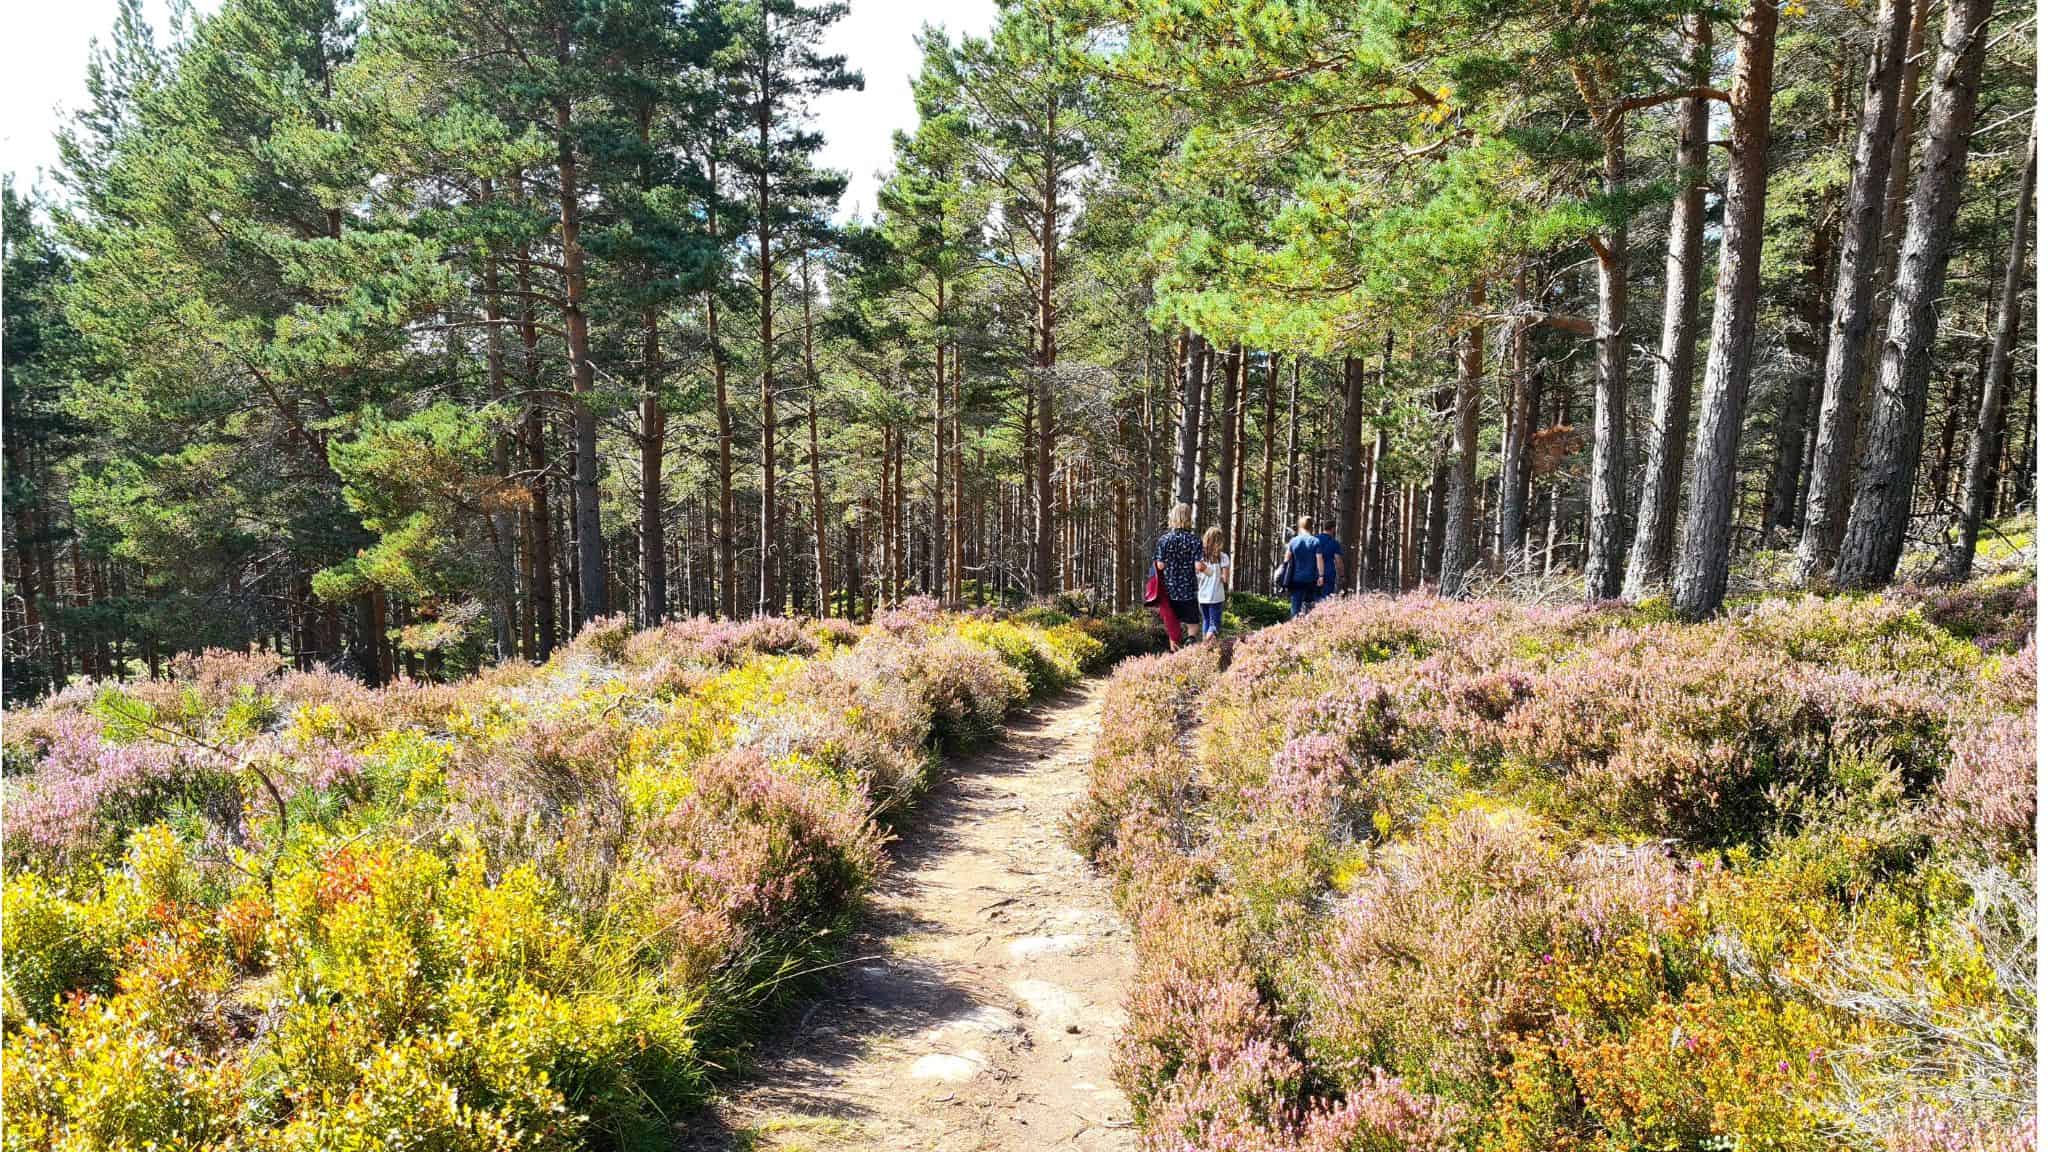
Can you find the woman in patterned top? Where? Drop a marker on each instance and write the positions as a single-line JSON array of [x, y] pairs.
[[1174, 559]]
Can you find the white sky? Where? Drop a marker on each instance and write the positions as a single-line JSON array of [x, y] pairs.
[[43, 49]]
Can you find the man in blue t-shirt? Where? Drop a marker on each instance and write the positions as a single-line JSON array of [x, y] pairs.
[[1303, 558], [1329, 560]]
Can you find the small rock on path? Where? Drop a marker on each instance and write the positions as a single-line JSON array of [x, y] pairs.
[[984, 1004]]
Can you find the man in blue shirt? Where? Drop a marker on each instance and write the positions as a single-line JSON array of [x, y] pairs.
[[1303, 559], [1329, 560]]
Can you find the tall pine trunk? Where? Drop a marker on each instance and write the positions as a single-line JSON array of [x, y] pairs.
[[1267, 530], [1194, 361], [956, 570], [821, 553], [1514, 444], [937, 572], [653, 431], [1350, 439], [1461, 530], [1795, 414], [1991, 407], [769, 599], [540, 558], [1856, 276], [504, 609], [589, 527], [1605, 517], [1048, 425], [1226, 448], [1702, 578], [1649, 564], [1876, 534]]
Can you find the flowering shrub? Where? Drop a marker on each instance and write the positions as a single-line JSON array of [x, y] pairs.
[[256, 908], [1424, 874]]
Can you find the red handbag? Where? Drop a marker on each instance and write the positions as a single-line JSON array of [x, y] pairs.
[[1152, 587]]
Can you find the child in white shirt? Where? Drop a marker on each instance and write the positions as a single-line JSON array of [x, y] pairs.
[[1212, 576]]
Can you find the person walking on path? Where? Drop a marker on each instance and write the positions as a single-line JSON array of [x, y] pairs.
[[1174, 558], [1304, 568], [1329, 560], [1213, 571]]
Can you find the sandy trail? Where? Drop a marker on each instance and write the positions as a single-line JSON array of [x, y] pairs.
[[986, 994]]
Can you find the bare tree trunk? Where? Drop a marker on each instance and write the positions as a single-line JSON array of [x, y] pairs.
[[504, 606], [1905, 123], [1203, 428], [1194, 360], [540, 585], [1605, 508], [1514, 446], [899, 533], [1048, 398], [1856, 276], [1461, 530], [1411, 537], [1267, 428], [653, 430], [1240, 460], [885, 562], [1226, 449], [1350, 433], [936, 572], [589, 527], [1702, 578], [1782, 498], [956, 571], [768, 601], [821, 552], [1293, 449], [1991, 408], [1876, 534]]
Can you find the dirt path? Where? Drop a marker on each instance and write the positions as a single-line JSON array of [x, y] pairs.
[[987, 993]]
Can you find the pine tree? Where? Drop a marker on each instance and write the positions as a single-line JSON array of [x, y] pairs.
[[773, 69]]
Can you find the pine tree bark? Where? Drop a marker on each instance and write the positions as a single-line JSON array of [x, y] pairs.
[[540, 585], [1702, 577], [1905, 124], [1293, 449], [1372, 541], [589, 526], [1782, 509], [1461, 529], [1226, 448], [821, 552], [1194, 362], [768, 602], [1267, 538], [936, 574], [1883, 496], [504, 553], [1048, 398], [957, 568], [653, 433], [1350, 437], [1606, 511], [1856, 276], [1997, 370], [1514, 447]]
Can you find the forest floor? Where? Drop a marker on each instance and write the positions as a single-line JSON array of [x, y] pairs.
[[982, 995]]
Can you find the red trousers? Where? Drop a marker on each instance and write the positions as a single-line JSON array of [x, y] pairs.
[[1172, 621]]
